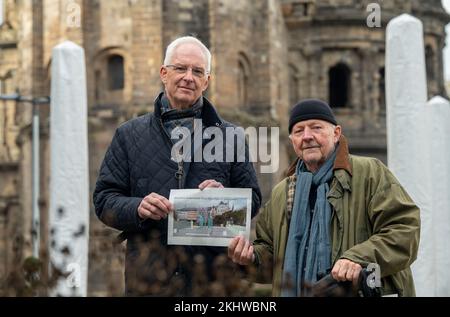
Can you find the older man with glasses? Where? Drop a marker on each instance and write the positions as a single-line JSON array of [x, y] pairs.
[[139, 171]]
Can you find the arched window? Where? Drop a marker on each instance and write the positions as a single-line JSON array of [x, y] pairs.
[[243, 81], [381, 89], [293, 85], [242, 85], [97, 86], [116, 75], [429, 55], [339, 85]]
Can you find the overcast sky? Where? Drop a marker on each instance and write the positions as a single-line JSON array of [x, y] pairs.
[[446, 4]]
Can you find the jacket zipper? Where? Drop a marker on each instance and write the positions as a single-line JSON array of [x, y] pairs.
[[180, 172]]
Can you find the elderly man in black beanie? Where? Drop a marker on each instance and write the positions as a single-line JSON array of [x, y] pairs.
[[335, 214]]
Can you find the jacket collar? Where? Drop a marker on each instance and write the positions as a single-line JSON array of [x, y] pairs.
[[210, 117], [342, 159]]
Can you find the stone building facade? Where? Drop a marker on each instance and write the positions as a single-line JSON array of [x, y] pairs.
[[267, 54]]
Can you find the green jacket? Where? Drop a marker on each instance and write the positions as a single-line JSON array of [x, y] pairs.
[[374, 220]]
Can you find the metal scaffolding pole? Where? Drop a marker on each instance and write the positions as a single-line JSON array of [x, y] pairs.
[[35, 102]]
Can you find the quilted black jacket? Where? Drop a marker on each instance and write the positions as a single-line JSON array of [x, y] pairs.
[[137, 163]]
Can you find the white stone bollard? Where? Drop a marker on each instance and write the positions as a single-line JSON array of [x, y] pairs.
[[438, 116], [69, 178], [407, 134]]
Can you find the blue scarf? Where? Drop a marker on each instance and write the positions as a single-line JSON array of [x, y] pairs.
[[173, 118], [301, 263]]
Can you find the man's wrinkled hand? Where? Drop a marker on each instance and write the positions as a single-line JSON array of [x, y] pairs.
[[346, 270], [154, 206], [210, 183], [240, 251]]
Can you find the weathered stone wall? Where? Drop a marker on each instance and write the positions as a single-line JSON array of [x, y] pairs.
[[279, 81], [325, 33], [10, 238], [232, 30], [9, 151], [185, 17], [147, 54]]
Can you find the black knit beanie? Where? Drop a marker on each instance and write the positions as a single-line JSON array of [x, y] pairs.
[[311, 109]]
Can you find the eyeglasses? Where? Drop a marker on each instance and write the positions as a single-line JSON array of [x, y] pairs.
[[182, 69]]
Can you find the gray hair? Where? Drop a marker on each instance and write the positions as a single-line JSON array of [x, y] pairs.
[[191, 40]]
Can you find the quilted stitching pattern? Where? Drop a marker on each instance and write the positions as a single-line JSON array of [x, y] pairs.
[[138, 163]]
